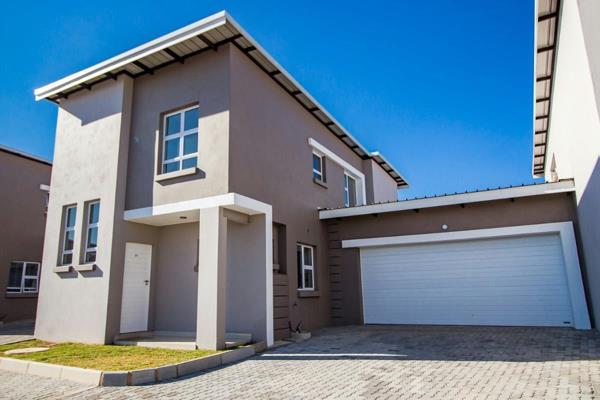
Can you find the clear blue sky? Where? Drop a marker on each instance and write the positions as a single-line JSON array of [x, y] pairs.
[[443, 88]]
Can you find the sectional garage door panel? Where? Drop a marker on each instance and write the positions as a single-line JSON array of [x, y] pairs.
[[516, 281]]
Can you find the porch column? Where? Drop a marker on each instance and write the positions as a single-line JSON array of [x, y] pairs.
[[212, 279]]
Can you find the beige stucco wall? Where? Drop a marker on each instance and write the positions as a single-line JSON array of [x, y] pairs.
[[574, 131], [202, 80], [23, 222], [90, 155], [492, 214]]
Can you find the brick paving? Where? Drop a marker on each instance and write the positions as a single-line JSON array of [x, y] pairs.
[[380, 363]]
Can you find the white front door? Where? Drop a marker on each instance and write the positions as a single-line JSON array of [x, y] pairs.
[[136, 287]]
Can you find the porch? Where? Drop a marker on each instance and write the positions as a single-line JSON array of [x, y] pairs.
[[178, 340], [201, 277]]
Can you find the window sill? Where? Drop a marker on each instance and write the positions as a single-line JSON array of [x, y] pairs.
[[62, 268], [21, 295], [175, 174], [308, 293], [320, 183], [86, 267]]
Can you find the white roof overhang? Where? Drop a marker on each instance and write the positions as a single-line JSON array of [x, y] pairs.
[[205, 35]]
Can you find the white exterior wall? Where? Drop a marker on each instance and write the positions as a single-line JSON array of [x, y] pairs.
[[574, 135]]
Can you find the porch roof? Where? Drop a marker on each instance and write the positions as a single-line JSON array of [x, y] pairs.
[[187, 211]]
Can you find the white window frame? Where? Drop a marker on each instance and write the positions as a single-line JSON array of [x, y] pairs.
[[67, 229], [321, 177], [22, 289], [359, 177], [348, 176], [303, 267], [87, 231], [181, 135]]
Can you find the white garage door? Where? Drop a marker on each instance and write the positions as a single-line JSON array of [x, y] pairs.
[[519, 281]]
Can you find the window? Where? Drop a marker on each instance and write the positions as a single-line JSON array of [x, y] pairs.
[[23, 277], [91, 235], [318, 167], [180, 140], [279, 248], [349, 191], [306, 267], [68, 241]]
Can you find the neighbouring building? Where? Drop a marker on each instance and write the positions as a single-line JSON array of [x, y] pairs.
[[199, 191], [24, 198], [567, 117]]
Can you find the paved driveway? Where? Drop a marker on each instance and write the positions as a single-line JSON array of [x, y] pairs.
[[381, 363]]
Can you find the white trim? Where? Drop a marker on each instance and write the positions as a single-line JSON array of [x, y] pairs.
[[361, 196], [24, 276], [187, 32], [319, 174], [65, 229], [347, 197], [304, 267], [179, 135], [464, 198], [564, 229], [45, 188], [89, 226]]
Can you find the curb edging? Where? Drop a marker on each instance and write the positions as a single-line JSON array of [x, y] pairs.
[[129, 378]]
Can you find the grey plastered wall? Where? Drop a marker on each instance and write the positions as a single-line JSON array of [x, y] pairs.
[[23, 220], [379, 184], [202, 80], [246, 278], [90, 152], [492, 214], [271, 161], [175, 279]]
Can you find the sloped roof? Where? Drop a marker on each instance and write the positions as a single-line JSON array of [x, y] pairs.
[[206, 35], [546, 34]]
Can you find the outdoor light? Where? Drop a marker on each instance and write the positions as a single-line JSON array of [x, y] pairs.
[[444, 227]]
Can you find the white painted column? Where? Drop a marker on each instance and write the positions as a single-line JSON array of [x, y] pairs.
[[212, 279]]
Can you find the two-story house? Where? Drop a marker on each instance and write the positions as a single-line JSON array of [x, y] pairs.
[[23, 200], [199, 191], [187, 176]]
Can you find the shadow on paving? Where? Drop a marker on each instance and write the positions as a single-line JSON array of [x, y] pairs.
[[443, 343]]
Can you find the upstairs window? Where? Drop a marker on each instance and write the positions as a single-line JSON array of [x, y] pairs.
[[349, 191], [91, 236], [180, 140], [318, 167], [306, 267], [23, 277], [68, 238]]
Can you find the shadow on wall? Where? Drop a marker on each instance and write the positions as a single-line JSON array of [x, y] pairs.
[[442, 343], [588, 212]]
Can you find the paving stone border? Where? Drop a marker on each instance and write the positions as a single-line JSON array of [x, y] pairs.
[[130, 378]]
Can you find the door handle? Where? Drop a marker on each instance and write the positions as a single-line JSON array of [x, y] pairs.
[[146, 282]]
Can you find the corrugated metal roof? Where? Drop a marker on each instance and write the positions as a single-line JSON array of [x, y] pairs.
[[23, 154], [547, 18], [206, 35]]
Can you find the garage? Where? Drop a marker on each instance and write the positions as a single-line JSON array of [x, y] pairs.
[[502, 257], [519, 281]]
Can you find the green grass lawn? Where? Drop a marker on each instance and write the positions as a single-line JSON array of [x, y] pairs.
[[102, 357]]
